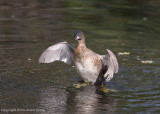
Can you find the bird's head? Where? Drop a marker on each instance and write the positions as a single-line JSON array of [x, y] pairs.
[[78, 35]]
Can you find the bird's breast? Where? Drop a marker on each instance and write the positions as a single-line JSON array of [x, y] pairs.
[[88, 67]]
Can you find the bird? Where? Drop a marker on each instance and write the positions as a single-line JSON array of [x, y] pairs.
[[92, 67]]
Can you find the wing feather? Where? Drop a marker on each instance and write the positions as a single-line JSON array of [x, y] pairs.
[[59, 52], [110, 65]]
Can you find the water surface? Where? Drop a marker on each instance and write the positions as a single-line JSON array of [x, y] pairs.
[[27, 28]]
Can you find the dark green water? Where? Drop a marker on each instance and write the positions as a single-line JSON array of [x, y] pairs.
[[27, 28]]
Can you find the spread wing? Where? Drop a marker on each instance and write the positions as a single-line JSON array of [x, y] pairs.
[[59, 52], [110, 65]]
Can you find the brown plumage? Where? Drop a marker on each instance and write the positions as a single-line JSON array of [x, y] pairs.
[[91, 66]]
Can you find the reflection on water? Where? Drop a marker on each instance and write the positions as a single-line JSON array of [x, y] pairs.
[[88, 100], [53, 100], [27, 28]]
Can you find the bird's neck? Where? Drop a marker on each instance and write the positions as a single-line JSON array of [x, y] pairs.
[[82, 43]]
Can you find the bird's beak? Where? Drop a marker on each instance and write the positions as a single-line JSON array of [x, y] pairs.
[[77, 37]]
